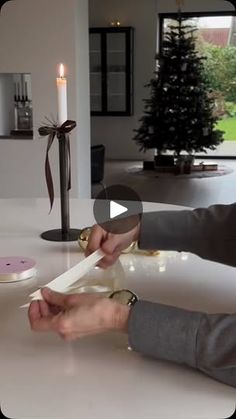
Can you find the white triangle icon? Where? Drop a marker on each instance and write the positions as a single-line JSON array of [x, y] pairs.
[[116, 209]]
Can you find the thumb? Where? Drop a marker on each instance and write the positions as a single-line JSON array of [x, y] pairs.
[[55, 298]]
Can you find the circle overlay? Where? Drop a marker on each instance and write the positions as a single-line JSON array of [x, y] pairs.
[[117, 209]]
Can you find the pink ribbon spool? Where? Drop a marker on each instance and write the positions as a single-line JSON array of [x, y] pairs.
[[16, 268]]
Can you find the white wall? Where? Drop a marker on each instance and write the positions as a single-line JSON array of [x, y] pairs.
[[34, 37], [116, 132]]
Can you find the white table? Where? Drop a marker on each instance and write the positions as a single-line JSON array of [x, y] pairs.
[[43, 377]]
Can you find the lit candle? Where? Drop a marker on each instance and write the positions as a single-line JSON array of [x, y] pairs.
[[62, 96]]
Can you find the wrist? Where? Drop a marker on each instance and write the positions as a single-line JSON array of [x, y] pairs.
[[121, 317], [117, 316]]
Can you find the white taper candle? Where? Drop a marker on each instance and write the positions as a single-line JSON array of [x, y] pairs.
[[62, 96]]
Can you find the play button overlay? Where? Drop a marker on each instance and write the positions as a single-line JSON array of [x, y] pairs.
[[117, 209]]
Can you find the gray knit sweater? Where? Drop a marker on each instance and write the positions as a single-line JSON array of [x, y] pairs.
[[203, 341]]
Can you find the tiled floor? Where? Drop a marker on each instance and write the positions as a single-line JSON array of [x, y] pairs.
[[173, 190]]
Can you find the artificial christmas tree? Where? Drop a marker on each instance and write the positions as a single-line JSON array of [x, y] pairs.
[[178, 116]]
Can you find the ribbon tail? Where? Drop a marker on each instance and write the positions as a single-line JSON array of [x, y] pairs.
[[69, 161], [48, 172]]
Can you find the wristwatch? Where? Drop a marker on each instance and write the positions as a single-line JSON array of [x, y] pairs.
[[125, 297]]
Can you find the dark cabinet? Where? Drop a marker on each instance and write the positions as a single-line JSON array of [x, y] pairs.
[[111, 71]]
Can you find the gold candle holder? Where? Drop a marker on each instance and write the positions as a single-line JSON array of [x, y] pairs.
[[133, 248]]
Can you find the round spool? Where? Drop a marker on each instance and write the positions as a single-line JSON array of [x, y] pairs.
[[16, 268]]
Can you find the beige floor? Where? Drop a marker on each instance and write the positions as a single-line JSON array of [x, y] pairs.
[[173, 190]]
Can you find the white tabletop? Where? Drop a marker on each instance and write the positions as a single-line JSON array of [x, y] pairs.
[[42, 377]]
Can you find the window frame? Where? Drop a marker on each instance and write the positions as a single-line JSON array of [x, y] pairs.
[[162, 17], [171, 15]]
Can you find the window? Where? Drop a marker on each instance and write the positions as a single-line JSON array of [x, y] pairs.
[[216, 40]]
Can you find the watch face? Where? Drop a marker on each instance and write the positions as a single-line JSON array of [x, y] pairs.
[[125, 297]]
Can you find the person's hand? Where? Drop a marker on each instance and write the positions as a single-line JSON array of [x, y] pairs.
[[111, 244], [76, 315]]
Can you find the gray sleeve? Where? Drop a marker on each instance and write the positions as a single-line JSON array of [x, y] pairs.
[[208, 232], [203, 341]]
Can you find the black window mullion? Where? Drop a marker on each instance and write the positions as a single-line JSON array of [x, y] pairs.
[[129, 52], [104, 70]]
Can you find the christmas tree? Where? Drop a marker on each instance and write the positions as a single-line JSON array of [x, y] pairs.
[[178, 116]]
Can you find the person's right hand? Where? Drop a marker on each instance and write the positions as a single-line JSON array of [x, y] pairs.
[[111, 244]]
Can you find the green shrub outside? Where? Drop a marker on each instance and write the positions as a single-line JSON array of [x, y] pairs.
[[220, 73], [230, 108], [220, 69]]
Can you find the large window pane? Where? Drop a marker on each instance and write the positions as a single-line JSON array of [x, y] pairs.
[[216, 40]]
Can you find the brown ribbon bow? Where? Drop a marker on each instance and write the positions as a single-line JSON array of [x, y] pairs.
[[62, 134]]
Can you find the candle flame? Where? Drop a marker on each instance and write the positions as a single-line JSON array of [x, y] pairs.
[[62, 71]]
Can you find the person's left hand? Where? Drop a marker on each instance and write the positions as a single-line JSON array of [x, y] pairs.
[[76, 315]]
